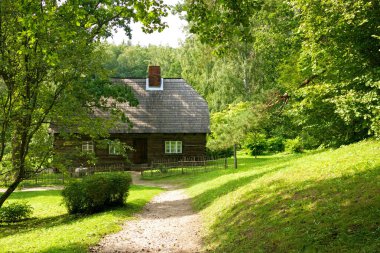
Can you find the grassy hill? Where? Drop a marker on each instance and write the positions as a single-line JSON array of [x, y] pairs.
[[327, 201]]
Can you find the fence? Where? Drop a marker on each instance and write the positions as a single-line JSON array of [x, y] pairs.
[[44, 177], [161, 168], [48, 177], [185, 166]]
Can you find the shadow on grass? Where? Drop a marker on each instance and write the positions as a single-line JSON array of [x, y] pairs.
[[68, 248], [334, 215], [30, 194], [244, 164], [65, 219], [206, 198]]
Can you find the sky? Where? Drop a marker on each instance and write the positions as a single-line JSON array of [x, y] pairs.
[[171, 36]]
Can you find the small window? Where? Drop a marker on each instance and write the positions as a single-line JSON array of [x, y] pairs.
[[113, 149], [87, 146], [173, 147]]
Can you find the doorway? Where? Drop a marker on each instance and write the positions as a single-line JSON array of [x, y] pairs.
[[140, 154]]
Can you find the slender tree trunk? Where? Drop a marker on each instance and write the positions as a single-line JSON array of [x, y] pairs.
[[19, 151], [10, 189]]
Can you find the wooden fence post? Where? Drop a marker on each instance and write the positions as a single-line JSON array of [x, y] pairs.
[[225, 163]]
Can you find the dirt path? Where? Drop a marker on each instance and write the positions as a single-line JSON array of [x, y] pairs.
[[167, 224]]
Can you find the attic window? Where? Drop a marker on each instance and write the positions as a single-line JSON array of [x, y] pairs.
[[88, 146], [173, 147]]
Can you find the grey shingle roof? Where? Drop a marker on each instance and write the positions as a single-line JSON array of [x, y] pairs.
[[178, 108]]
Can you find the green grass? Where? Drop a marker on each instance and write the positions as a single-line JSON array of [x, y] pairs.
[[323, 201], [53, 230]]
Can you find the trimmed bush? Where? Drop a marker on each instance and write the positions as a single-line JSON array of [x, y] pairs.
[[294, 145], [15, 212], [97, 192]]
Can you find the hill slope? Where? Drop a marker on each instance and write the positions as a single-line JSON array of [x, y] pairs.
[[321, 202]]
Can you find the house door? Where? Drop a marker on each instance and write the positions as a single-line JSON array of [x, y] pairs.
[[140, 155]]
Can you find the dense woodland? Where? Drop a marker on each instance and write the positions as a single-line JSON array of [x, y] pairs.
[[304, 74], [303, 71]]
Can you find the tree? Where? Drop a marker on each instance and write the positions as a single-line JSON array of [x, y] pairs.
[[335, 74], [231, 126], [46, 53]]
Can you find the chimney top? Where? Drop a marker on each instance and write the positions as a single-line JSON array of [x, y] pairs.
[[154, 76]]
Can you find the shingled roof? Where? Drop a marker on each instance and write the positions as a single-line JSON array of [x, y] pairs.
[[177, 108]]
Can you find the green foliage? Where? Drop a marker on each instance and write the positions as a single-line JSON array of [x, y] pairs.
[[323, 54], [294, 145], [257, 144], [97, 192], [232, 125], [275, 144], [217, 153], [15, 211], [132, 61], [49, 72]]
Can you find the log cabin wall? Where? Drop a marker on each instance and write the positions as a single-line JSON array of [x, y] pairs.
[[193, 145]]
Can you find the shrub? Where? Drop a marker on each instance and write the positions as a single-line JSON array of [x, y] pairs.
[[227, 152], [16, 211], [257, 144], [276, 144], [294, 145], [97, 192]]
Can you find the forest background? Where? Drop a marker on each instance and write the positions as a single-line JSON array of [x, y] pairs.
[[301, 74]]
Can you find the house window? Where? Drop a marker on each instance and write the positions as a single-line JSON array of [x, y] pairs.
[[88, 146], [113, 149], [173, 147]]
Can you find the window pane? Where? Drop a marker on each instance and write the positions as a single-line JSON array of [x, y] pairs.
[[87, 146], [172, 147], [167, 147], [179, 146]]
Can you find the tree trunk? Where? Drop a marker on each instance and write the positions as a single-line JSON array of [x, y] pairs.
[[235, 157], [10, 189], [19, 150]]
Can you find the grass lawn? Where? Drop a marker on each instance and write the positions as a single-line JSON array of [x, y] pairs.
[[53, 230], [322, 201]]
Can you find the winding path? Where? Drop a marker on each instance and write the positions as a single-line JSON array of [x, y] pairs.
[[167, 224]]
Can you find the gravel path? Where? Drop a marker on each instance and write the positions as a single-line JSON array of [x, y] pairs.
[[167, 224]]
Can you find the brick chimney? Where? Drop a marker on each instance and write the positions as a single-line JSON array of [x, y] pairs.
[[154, 76]]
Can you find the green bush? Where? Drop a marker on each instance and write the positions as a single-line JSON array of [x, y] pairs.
[[275, 144], [227, 152], [97, 192], [257, 144], [16, 211], [294, 145]]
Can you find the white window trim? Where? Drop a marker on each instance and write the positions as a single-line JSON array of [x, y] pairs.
[[87, 146], [177, 150], [112, 150], [153, 87]]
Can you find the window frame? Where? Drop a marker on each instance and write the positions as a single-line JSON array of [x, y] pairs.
[[88, 146], [114, 148], [177, 147]]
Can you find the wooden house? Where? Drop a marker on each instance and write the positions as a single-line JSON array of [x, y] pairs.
[[170, 123]]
